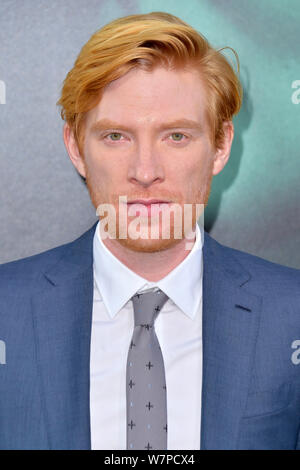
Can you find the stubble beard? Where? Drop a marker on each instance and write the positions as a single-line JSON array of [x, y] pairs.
[[151, 245]]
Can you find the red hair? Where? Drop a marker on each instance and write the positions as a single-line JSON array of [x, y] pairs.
[[146, 41]]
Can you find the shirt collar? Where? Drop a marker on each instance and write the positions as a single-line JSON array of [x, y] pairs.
[[117, 283]]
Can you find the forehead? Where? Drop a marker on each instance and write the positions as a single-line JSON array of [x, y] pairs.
[[141, 97]]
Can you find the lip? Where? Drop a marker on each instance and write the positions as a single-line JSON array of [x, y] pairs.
[[148, 202]]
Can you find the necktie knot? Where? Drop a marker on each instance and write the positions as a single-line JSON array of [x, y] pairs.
[[147, 306]]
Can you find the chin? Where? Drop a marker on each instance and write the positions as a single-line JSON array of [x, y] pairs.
[[148, 246]]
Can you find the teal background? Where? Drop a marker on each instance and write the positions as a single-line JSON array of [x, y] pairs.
[[254, 203]]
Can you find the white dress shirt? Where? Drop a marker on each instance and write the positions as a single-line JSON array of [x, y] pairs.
[[179, 331]]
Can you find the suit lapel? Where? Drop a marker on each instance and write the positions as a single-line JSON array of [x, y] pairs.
[[62, 315], [230, 328]]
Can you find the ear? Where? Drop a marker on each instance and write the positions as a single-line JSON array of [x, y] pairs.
[[73, 150], [222, 154]]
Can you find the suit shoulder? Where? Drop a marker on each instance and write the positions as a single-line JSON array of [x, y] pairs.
[[267, 271], [259, 268], [266, 267], [30, 267]]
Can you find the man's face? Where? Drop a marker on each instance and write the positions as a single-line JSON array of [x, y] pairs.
[[144, 153]]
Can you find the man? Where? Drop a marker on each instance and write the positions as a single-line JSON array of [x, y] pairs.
[[119, 341]]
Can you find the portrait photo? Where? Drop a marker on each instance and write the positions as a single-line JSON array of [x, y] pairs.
[[150, 226]]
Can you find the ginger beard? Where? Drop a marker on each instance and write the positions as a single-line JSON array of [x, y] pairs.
[[149, 244]]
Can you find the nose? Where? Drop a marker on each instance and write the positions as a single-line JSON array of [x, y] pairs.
[[145, 166]]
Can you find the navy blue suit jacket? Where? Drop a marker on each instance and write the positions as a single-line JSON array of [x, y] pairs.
[[251, 371]]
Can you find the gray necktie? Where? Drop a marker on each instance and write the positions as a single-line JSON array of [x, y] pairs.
[[146, 392]]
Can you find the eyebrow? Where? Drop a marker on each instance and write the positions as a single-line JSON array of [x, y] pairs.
[[104, 124]]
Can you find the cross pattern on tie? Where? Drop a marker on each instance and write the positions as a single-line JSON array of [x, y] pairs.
[[146, 395]]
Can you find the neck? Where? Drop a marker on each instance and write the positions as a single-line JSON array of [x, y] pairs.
[[151, 266]]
